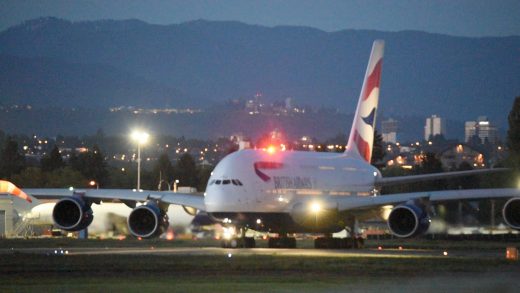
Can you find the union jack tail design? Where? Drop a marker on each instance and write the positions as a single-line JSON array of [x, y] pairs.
[[361, 136]]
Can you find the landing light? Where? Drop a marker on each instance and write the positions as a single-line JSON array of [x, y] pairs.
[[228, 233], [315, 207], [271, 149]]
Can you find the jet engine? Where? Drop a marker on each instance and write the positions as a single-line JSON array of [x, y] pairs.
[[511, 213], [148, 221], [408, 220], [72, 214]]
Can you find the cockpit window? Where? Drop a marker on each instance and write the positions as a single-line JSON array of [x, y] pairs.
[[235, 182]]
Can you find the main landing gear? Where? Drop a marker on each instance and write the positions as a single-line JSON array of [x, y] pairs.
[[354, 240], [239, 242], [329, 242], [282, 242]]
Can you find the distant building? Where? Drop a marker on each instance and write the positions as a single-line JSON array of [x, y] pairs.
[[241, 141], [453, 155], [482, 128], [6, 217], [389, 130], [288, 104], [434, 126]]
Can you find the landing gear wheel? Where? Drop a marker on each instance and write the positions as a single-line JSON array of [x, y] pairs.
[[249, 242], [282, 242], [331, 243], [359, 242], [246, 242], [338, 243]]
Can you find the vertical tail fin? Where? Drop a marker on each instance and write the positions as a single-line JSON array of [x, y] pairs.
[[10, 188], [361, 136]]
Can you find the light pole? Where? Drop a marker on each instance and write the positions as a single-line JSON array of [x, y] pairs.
[[141, 138], [175, 182]]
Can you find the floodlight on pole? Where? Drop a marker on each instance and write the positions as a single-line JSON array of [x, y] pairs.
[[94, 183], [141, 138], [175, 182]]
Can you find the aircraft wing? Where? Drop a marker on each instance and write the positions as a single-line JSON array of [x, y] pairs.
[[367, 202], [124, 195], [434, 176]]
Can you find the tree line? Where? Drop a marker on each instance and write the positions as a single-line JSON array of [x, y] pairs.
[[52, 171]]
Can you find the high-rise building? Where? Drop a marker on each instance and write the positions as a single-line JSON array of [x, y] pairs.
[[482, 128], [389, 130], [434, 126], [288, 104]]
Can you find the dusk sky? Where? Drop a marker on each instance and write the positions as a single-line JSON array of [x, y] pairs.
[[460, 18]]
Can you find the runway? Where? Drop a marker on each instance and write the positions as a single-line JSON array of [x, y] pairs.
[[227, 252], [213, 269]]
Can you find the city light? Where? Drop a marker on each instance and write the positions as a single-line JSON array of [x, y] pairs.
[[93, 183]]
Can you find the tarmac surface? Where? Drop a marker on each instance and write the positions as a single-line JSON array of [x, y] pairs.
[[404, 273], [406, 253]]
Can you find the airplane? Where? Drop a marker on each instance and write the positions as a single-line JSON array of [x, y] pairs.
[[288, 192], [9, 188]]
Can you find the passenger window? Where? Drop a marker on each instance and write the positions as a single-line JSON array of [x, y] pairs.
[[217, 182], [226, 181]]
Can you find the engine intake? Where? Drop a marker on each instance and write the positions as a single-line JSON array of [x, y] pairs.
[[147, 221], [72, 214], [511, 213], [408, 220]]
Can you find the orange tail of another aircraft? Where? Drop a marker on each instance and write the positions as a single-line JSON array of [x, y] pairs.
[[8, 187]]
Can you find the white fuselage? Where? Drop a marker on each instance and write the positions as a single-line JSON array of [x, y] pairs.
[[257, 181]]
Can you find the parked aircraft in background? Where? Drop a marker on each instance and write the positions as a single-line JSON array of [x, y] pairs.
[[288, 192]]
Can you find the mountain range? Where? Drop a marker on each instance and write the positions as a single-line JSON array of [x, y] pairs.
[[50, 61]]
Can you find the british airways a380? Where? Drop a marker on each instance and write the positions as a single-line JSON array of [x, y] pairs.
[[285, 192]]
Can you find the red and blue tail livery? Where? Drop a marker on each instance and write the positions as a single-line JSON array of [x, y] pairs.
[[362, 133]]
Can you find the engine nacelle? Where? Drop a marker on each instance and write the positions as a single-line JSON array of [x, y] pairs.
[[511, 213], [147, 221], [72, 214], [408, 220]]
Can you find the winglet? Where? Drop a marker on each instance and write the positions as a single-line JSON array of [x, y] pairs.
[[361, 136], [8, 187]]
